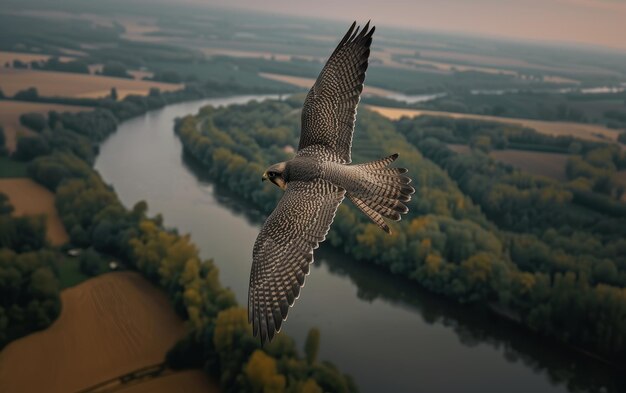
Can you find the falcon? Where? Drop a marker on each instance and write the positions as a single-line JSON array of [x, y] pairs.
[[315, 182]]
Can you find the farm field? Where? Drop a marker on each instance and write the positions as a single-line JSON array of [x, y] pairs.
[[308, 82], [461, 149], [450, 67], [64, 84], [499, 61], [109, 326], [136, 74], [538, 163], [547, 164], [10, 112], [30, 198], [590, 132]]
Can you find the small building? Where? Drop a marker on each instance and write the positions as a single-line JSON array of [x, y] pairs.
[[74, 252]]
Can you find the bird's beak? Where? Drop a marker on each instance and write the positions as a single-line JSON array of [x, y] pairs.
[[264, 177]]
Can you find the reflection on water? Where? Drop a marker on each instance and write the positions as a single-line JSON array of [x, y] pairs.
[[475, 327], [381, 329], [222, 195]]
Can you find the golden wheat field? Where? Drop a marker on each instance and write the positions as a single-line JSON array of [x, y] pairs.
[[65, 84], [30, 198], [109, 326]]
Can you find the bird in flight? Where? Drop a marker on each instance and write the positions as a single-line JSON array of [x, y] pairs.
[[315, 182]]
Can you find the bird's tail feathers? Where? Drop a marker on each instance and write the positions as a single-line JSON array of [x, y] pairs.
[[382, 192]]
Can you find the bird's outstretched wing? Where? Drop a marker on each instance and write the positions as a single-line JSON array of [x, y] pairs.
[[329, 110], [284, 249]]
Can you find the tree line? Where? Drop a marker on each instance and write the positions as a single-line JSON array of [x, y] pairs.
[[29, 288]]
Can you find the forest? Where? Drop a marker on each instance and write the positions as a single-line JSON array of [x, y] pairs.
[[478, 231], [60, 157], [29, 289]]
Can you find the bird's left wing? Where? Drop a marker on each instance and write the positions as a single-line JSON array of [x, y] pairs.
[[329, 110], [284, 249]]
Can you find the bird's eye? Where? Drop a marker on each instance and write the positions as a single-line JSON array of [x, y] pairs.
[[272, 174]]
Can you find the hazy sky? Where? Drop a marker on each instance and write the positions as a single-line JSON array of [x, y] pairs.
[[601, 22]]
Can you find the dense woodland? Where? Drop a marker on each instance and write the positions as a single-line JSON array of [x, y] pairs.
[[29, 289], [219, 340], [478, 231]]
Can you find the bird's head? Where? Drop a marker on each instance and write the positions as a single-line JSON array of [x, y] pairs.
[[275, 175]]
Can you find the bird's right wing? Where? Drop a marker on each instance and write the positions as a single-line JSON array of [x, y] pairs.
[[329, 110], [284, 249]]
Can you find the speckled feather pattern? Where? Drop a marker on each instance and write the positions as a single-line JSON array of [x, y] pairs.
[[284, 249], [329, 110], [317, 180]]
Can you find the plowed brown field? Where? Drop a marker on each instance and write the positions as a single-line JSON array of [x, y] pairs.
[[109, 326]]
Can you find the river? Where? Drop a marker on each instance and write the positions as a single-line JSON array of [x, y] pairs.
[[381, 329]]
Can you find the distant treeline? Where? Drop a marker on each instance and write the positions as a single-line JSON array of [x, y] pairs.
[[477, 231], [220, 339]]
